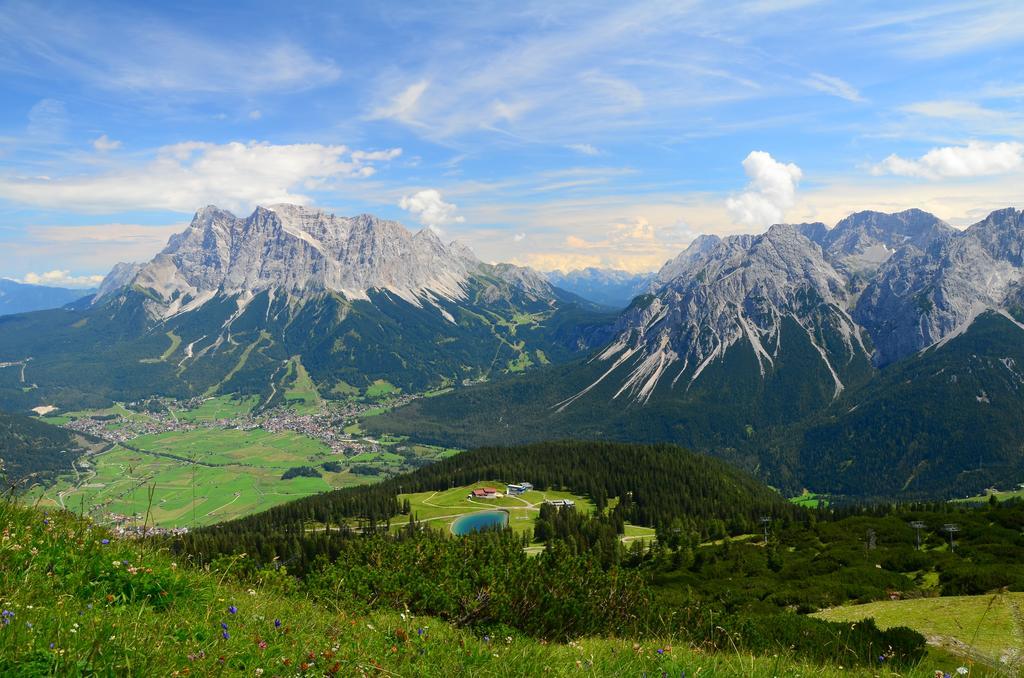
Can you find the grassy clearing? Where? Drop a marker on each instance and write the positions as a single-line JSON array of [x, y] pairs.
[[521, 363], [235, 473], [990, 625], [809, 500], [441, 509], [381, 388], [1001, 495], [302, 396], [124, 608]]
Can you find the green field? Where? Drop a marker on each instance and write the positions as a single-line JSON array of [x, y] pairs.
[[1001, 495], [302, 395], [989, 627], [381, 388], [220, 407], [235, 473], [809, 500]]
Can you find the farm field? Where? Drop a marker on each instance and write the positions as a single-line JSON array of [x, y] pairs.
[[989, 627], [302, 396], [219, 407], [235, 473]]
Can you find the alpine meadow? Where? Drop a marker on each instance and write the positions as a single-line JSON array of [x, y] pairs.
[[587, 339]]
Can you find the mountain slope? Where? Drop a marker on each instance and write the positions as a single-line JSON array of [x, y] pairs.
[[231, 301], [945, 422], [18, 297], [33, 451]]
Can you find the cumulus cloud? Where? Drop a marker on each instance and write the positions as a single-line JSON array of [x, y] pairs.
[[976, 159], [430, 208], [834, 86], [59, 278], [519, 237], [103, 143], [771, 191], [184, 176]]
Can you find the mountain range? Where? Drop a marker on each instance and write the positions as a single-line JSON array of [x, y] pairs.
[[606, 286], [238, 305], [849, 359], [809, 354], [16, 297]]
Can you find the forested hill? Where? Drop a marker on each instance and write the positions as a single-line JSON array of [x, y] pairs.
[[32, 448], [661, 485]]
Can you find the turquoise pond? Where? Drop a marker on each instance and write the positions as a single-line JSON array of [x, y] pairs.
[[481, 520]]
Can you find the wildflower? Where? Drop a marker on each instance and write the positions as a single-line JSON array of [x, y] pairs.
[[420, 631], [224, 625], [262, 644], [232, 610], [252, 592], [661, 651], [277, 623], [225, 635], [28, 624], [104, 541], [963, 670], [259, 672], [487, 639]]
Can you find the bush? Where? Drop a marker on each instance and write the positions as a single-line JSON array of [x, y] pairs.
[[301, 471]]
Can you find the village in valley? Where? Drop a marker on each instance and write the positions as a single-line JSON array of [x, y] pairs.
[[209, 459]]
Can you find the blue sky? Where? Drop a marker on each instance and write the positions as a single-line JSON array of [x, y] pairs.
[[557, 136]]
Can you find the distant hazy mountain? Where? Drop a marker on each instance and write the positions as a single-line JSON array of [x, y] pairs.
[[605, 286], [233, 305], [16, 297]]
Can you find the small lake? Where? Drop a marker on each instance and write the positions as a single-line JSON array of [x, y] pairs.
[[481, 520]]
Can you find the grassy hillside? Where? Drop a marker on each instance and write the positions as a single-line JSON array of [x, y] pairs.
[[989, 626], [77, 603]]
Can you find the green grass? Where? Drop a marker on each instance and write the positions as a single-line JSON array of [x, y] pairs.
[[175, 343], [381, 388], [220, 407], [302, 396], [128, 608], [237, 473], [1001, 495], [441, 509], [991, 625], [521, 363], [809, 500]]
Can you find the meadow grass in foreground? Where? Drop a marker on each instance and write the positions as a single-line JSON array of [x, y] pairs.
[[76, 602]]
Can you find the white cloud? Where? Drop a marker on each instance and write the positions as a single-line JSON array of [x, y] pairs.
[[976, 159], [47, 119], [59, 278], [403, 105], [519, 237], [430, 208], [255, 115], [182, 177], [103, 143], [145, 55], [834, 86], [771, 191], [585, 149]]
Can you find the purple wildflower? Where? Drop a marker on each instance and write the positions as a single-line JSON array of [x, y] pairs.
[[225, 635], [277, 623], [224, 625], [233, 610], [104, 541]]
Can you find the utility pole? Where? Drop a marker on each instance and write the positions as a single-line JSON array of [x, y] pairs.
[[765, 522], [918, 525], [951, 529]]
